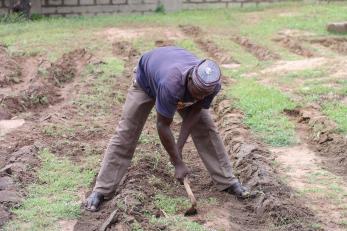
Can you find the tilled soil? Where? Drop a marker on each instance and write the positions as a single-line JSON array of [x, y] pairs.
[[258, 51], [320, 133], [337, 44], [294, 46], [39, 91], [207, 45], [274, 205], [18, 149]]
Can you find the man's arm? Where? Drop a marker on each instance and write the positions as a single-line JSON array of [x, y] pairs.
[[189, 121], [168, 141]]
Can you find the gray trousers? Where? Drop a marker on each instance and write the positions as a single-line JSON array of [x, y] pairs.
[[122, 145]]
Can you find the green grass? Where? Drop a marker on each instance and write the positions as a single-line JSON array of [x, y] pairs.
[[263, 107], [236, 51], [103, 92], [303, 74], [171, 206], [189, 45], [53, 196], [338, 113]]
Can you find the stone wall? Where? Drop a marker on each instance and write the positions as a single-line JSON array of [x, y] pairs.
[[97, 7]]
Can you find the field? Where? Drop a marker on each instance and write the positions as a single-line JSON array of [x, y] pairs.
[[282, 115]]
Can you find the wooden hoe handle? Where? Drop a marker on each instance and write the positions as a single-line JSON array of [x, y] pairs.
[[189, 191]]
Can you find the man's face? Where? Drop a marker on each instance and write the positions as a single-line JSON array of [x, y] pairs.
[[195, 92]]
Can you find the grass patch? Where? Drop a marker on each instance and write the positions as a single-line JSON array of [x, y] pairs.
[[53, 196], [190, 45], [263, 107], [178, 223], [171, 205], [303, 74], [102, 94], [338, 113]]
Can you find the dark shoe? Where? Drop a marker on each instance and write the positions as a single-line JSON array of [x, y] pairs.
[[94, 201], [238, 190]]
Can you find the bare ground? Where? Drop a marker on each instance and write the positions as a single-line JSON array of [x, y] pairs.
[[275, 206]]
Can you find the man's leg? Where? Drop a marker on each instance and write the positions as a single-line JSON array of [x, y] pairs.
[[212, 151], [122, 145]]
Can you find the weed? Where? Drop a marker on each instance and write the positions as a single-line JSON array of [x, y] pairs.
[[160, 8], [53, 196]]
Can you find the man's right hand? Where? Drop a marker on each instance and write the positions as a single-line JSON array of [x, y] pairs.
[[181, 171]]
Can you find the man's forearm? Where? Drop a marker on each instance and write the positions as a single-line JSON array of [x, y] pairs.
[[168, 141]]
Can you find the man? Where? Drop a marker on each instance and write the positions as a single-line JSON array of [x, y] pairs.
[[169, 78]]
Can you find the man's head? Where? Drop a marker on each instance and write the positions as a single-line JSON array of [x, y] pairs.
[[204, 78]]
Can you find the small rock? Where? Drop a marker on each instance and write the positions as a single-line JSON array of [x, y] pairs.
[[5, 182], [9, 196]]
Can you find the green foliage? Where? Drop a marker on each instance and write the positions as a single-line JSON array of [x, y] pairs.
[[53, 196], [338, 113], [263, 107], [160, 8]]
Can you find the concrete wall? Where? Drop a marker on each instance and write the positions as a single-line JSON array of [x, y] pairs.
[[97, 7]]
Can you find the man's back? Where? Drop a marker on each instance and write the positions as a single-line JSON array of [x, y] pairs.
[[165, 64]]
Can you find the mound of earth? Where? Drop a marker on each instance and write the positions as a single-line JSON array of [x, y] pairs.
[[294, 46], [337, 44], [323, 137], [191, 30], [252, 163], [68, 66], [258, 51], [38, 94]]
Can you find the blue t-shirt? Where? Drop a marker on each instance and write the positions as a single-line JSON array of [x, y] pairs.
[[162, 73]]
